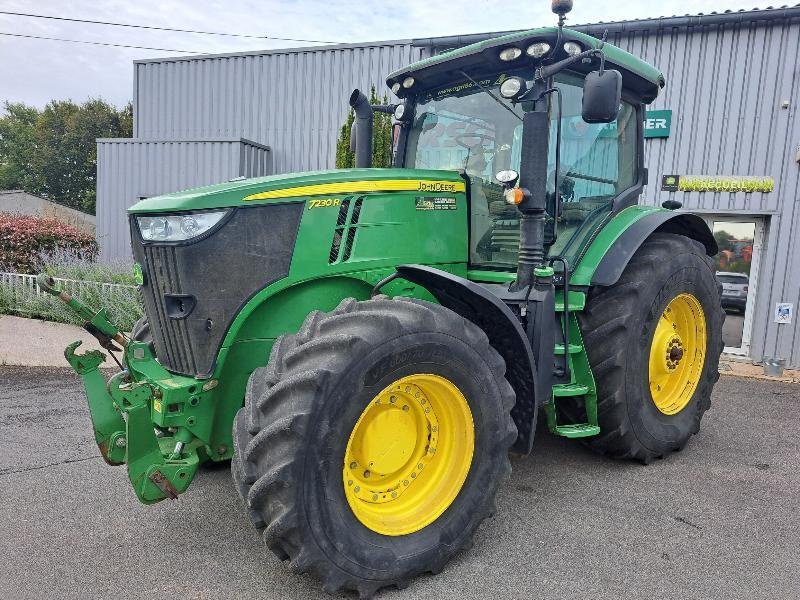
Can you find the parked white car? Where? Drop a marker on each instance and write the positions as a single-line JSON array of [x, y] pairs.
[[734, 290]]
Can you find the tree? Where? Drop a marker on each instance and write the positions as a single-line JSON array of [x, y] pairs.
[[381, 135], [52, 153], [723, 239], [17, 145]]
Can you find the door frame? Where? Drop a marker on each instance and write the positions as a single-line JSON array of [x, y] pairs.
[[755, 269]]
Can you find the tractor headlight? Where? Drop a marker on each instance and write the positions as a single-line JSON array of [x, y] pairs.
[[176, 228], [408, 82], [395, 87], [572, 48], [512, 87], [538, 49], [509, 54]]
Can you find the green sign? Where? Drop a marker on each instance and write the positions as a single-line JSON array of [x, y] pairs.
[[717, 183], [657, 123]]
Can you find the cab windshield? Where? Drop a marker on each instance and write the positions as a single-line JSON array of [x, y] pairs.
[[461, 127]]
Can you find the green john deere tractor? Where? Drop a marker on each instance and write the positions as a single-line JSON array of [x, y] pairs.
[[368, 345]]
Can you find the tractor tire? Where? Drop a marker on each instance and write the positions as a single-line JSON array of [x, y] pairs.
[[653, 386], [353, 380]]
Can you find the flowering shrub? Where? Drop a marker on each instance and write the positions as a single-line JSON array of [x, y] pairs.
[[24, 238], [97, 285]]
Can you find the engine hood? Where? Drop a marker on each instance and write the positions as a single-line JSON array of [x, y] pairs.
[[299, 186]]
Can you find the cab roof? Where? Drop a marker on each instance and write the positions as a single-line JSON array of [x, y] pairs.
[[638, 76]]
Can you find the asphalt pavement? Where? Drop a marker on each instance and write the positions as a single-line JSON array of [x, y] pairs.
[[718, 520]]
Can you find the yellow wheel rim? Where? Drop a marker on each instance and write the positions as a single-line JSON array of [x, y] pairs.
[[409, 454], [677, 354]]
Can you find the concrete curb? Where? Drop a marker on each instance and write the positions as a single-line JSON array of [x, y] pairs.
[[737, 368], [35, 343]]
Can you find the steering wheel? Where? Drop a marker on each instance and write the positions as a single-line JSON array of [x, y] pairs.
[[480, 137]]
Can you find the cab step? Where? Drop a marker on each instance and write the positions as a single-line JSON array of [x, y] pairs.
[[577, 430], [569, 389], [573, 349]]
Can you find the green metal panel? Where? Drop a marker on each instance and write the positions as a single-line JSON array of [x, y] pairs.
[[233, 193], [582, 275]]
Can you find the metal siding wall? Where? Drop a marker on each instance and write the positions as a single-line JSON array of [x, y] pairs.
[[720, 125], [725, 86], [293, 101], [129, 169]]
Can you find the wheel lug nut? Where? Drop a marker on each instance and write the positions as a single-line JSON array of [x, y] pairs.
[[353, 465], [367, 473], [405, 408]]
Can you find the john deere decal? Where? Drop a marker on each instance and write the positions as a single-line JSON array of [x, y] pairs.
[[423, 203]]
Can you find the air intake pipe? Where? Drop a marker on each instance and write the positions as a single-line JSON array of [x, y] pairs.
[[362, 128]]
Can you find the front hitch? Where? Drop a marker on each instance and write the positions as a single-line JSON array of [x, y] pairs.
[[144, 416], [96, 323]]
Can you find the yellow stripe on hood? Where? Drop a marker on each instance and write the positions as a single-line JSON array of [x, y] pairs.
[[358, 187]]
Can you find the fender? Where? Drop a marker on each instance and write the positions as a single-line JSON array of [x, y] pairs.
[[617, 255], [504, 330]]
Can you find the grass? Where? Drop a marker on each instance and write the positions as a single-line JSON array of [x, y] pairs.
[[122, 301]]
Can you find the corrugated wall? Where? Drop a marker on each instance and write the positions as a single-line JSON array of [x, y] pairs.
[[725, 86], [130, 169], [294, 101]]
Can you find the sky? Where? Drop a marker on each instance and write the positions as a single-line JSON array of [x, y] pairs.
[[36, 71]]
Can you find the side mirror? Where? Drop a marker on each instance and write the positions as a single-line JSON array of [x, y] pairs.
[[602, 93]]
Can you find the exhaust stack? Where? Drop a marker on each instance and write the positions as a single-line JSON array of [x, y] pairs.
[[362, 128]]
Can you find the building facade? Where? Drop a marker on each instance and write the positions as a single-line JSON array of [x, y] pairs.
[[729, 110]]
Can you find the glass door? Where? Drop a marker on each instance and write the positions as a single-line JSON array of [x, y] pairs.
[[737, 265]]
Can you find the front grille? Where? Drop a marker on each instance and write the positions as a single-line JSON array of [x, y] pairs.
[[161, 265], [218, 274]]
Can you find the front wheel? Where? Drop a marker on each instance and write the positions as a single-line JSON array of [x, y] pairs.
[[654, 340], [371, 446]]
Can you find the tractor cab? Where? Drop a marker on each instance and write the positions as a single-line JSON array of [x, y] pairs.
[[465, 110]]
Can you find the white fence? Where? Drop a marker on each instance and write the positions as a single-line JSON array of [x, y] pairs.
[[27, 285], [19, 295]]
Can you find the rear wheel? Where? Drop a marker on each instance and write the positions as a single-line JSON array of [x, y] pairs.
[[654, 340], [372, 445]]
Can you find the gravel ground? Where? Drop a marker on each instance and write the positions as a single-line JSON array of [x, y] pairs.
[[719, 520]]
